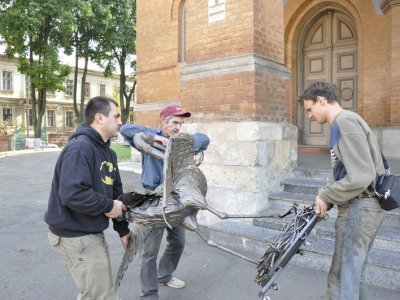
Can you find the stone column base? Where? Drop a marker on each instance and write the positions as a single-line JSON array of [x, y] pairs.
[[245, 161]]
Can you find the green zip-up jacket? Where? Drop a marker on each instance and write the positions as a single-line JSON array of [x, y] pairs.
[[355, 157]]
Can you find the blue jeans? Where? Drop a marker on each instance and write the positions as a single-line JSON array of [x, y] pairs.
[[356, 227], [168, 262]]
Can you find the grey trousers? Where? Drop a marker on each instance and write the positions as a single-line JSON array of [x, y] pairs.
[[149, 277], [88, 261], [356, 227]]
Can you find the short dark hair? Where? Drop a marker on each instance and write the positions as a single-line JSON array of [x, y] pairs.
[[99, 104], [322, 89]]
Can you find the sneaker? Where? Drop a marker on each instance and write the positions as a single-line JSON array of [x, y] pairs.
[[175, 283]]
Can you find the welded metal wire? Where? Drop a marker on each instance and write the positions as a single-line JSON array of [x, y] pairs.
[[272, 258]]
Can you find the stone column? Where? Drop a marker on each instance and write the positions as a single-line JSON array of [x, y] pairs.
[[244, 163]]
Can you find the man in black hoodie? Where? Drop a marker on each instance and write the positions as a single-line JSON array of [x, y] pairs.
[[83, 197]]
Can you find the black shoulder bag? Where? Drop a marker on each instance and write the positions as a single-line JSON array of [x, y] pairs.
[[387, 188]]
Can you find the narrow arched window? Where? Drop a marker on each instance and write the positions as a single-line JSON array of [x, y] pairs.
[[182, 32]]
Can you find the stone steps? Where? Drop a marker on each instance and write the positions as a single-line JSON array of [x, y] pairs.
[[388, 237], [383, 266], [308, 186], [305, 172], [284, 200], [252, 238]]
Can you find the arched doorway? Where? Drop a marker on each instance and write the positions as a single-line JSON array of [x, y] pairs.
[[329, 54]]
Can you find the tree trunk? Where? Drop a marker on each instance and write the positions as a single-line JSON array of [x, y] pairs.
[[75, 91], [82, 104], [41, 111], [125, 98]]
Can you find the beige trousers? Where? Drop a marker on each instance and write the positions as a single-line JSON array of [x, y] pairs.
[[88, 260]]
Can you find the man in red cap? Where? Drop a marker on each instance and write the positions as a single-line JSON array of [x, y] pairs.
[[171, 119]]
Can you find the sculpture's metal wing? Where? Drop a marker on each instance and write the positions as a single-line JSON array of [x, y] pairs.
[[183, 190], [189, 182], [139, 235]]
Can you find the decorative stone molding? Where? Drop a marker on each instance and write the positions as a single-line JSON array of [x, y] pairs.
[[246, 63], [387, 5]]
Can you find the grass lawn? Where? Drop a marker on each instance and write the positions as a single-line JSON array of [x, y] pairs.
[[123, 151]]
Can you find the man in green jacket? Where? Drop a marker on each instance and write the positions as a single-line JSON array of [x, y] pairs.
[[356, 158]]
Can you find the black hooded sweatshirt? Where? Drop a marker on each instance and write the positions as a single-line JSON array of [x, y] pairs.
[[86, 180]]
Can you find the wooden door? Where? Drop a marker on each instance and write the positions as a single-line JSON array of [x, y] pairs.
[[330, 55]]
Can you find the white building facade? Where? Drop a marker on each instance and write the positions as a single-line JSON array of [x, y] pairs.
[[59, 117]]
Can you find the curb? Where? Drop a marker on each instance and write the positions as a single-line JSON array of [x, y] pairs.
[[28, 151], [130, 167]]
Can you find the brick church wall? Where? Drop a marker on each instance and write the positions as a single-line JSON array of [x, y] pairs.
[[238, 95], [273, 101], [268, 20], [230, 37], [252, 27], [226, 97], [157, 42]]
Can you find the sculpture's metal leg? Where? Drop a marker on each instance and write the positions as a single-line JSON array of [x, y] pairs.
[[223, 215], [264, 291], [215, 245]]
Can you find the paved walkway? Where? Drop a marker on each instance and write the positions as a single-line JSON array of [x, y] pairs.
[[30, 269]]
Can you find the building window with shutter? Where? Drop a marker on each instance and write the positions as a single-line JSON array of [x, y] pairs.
[[69, 88], [8, 115], [87, 90], [7, 81], [51, 118], [69, 119], [102, 89]]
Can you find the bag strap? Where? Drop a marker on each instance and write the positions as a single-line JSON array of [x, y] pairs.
[[379, 178], [385, 163]]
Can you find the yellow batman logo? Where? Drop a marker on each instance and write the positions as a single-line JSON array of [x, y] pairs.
[[107, 171]]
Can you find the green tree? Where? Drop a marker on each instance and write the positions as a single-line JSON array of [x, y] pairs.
[[117, 47], [31, 30], [88, 22]]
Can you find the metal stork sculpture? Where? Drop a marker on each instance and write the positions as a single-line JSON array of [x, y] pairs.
[[183, 193]]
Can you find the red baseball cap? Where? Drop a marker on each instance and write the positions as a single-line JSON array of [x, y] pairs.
[[174, 110]]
